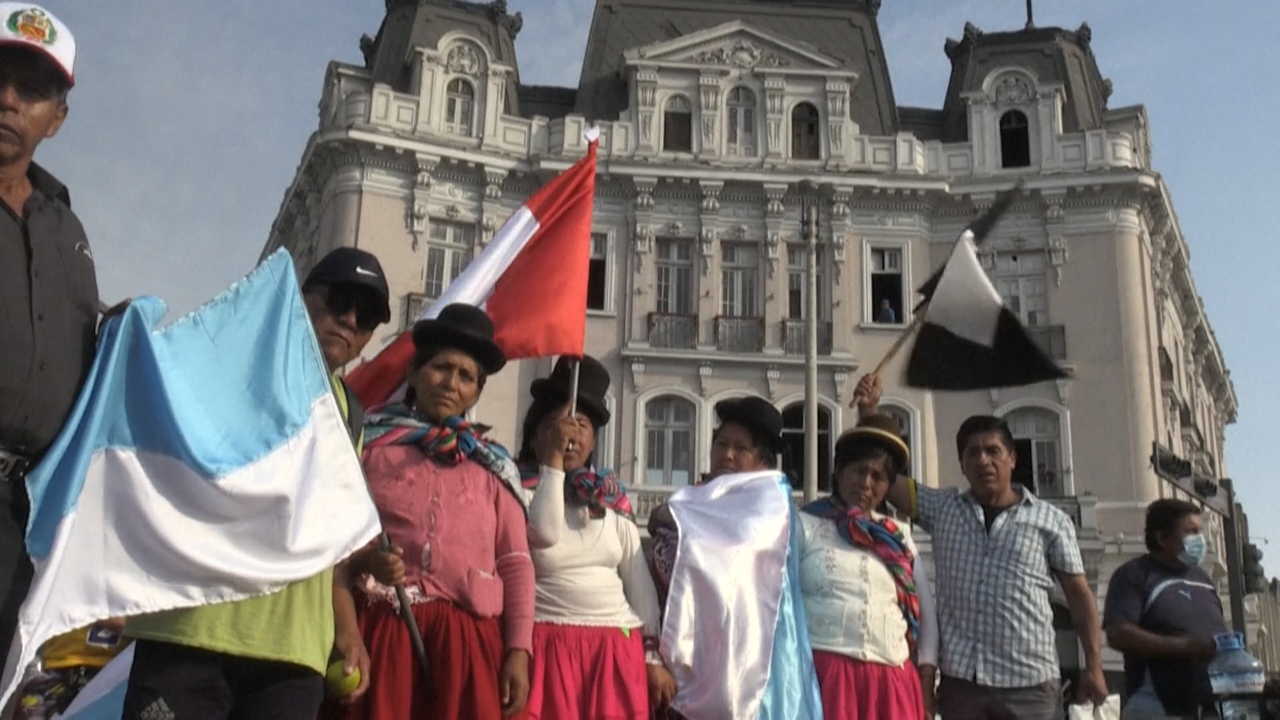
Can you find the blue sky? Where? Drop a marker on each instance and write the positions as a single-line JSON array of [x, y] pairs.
[[189, 119]]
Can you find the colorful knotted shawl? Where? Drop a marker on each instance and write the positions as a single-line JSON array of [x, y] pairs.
[[884, 538], [596, 489], [449, 442]]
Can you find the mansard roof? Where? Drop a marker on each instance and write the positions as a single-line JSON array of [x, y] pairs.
[[842, 33], [413, 24], [1052, 55]]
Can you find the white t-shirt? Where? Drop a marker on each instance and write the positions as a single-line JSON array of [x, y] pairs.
[[590, 571]]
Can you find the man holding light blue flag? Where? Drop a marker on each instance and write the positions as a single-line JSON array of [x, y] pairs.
[[206, 462]]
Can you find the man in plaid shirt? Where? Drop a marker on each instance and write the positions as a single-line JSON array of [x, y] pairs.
[[997, 550]]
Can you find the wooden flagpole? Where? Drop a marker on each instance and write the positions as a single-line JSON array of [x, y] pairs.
[[410, 622], [573, 388], [901, 342]]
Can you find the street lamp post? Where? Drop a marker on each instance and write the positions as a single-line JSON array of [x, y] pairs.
[[811, 349]]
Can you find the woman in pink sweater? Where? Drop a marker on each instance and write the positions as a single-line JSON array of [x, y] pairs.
[[452, 503]]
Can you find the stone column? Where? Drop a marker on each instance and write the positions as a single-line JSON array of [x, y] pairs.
[[642, 298], [775, 109], [1131, 269]]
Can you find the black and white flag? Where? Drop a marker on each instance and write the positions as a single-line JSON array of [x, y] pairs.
[[968, 339]]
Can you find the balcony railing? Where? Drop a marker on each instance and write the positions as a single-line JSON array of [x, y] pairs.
[[673, 331], [793, 337], [1049, 482], [414, 304], [740, 334], [1051, 338]]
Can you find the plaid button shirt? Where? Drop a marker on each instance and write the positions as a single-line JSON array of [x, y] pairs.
[[994, 615]]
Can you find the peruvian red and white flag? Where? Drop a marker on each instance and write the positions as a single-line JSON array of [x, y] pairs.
[[531, 280]]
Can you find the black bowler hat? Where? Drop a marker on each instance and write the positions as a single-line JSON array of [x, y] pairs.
[[593, 383], [462, 327], [756, 414], [352, 266]]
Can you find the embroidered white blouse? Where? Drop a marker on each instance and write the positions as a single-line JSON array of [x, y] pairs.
[[590, 572], [851, 602]]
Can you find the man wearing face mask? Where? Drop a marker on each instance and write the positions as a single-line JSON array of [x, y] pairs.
[[1162, 612]]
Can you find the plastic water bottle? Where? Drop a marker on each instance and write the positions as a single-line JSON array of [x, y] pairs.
[[1235, 672]]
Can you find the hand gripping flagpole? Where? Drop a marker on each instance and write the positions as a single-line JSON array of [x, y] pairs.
[[410, 622], [978, 229]]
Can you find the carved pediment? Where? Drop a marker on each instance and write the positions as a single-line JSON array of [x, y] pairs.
[[741, 53], [735, 46]]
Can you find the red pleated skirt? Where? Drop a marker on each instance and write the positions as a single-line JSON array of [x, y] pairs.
[[587, 672], [465, 653], [857, 690]]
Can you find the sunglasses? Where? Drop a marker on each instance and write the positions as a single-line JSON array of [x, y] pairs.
[[342, 299]]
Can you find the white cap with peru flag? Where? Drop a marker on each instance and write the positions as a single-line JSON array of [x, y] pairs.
[[34, 27]]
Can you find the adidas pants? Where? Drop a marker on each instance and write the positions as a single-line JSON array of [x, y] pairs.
[[174, 682]]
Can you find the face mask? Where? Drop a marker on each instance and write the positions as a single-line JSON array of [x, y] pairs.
[[1193, 549]]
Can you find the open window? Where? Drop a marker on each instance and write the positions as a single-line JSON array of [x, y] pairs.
[[886, 282], [1015, 140], [677, 125], [805, 136]]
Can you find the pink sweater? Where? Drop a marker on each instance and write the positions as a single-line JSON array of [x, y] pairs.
[[463, 534]]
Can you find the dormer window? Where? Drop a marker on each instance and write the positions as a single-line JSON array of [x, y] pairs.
[[1015, 140], [741, 107], [459, 108], [677, 125], [804, 132]]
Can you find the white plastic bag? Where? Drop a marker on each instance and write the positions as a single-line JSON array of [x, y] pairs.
[[1108, 710]]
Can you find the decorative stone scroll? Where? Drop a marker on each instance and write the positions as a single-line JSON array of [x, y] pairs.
[[1013, 90], [464, 59], [741, 54]]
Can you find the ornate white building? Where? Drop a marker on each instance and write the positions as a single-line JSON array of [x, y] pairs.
[[712, 115]]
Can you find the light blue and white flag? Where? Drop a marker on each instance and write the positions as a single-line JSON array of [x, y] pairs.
[[738, 563], [206, 461]]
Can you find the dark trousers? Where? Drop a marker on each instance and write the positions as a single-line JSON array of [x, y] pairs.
[[15, 566], [174, 682], [965, 700]]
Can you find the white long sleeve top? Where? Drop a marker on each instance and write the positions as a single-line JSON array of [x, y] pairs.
[[589, 571], [851, 601]]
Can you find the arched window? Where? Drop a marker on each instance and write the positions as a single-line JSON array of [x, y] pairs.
[[677, 125], [605, 443], [1037, 438], [459, 108], [669, 441], [903, 416], [793, 433], [741, 107], [1015, 140], [804, 132]]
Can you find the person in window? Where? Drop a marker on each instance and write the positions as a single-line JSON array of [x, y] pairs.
[[1162, 612], [886, 316], [452, 504], [595, 635], [749, 438], [867, 598]]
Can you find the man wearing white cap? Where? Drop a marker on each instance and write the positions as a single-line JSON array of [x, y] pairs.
[[48, 287]]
